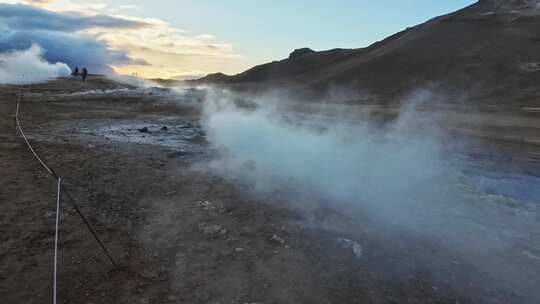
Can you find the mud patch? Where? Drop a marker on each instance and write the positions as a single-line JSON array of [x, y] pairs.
[[188, 137]]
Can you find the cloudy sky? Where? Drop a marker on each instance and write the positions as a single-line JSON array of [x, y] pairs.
[[188, 38]]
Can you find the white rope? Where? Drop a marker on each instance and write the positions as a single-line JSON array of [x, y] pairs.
[[56, 239], [24, 136], [18, 101], [59, 180]]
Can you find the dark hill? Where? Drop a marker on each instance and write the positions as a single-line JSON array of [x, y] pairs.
[[489, 51]]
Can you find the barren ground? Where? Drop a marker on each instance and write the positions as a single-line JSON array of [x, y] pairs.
[[143, 192]]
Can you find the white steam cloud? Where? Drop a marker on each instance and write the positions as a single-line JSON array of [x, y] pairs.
[[134, 81], [387, 171], [405, 174], [28, 66]]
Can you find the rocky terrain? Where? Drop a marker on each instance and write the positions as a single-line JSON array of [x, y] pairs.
[[139, 163]]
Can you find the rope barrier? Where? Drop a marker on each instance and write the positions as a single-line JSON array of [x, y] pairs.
[[85, 220], [18, 101], [56, 239], [26, 139], [60, 189], [32, 149]]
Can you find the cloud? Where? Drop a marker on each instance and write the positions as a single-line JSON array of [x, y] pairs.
[[38, 2], [205, 37], [129, 7], [63, 38], [107, 42], [28, 66], [24, 17], [173, 51], [72, 49]]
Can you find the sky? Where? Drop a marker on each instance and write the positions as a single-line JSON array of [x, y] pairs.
[[191, 38]]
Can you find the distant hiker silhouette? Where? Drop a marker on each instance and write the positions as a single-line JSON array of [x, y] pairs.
[[84, 74], [76, 71]]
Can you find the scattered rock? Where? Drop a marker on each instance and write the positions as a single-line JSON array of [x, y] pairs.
[[212, 230], [300, 52], [277, 239], [180, 154], [239, 250], [206, 205], [147, 274], [356, 248], [142, 300], [164, 128], [143, 129], [530, 255], [209, 207], [531, 67]]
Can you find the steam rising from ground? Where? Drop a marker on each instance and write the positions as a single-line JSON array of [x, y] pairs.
[[28, 66], [388, 171], [405, 174], [133, 81]]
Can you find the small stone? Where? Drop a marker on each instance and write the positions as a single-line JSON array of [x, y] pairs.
[[239, 250], [149, 274], [209, 207], [277, 239], [143, 130], [356, 248], [164, 128], [142, 300], [530, 255], [212, 230], [205, 205]]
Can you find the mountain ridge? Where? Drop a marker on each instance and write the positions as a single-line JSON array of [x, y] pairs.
[[489, 50]]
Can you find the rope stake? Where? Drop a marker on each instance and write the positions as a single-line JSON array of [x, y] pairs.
[[60, 189], [55, 275]]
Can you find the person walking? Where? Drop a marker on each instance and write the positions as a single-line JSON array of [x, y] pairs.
[[84, 74], [76, 71]]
